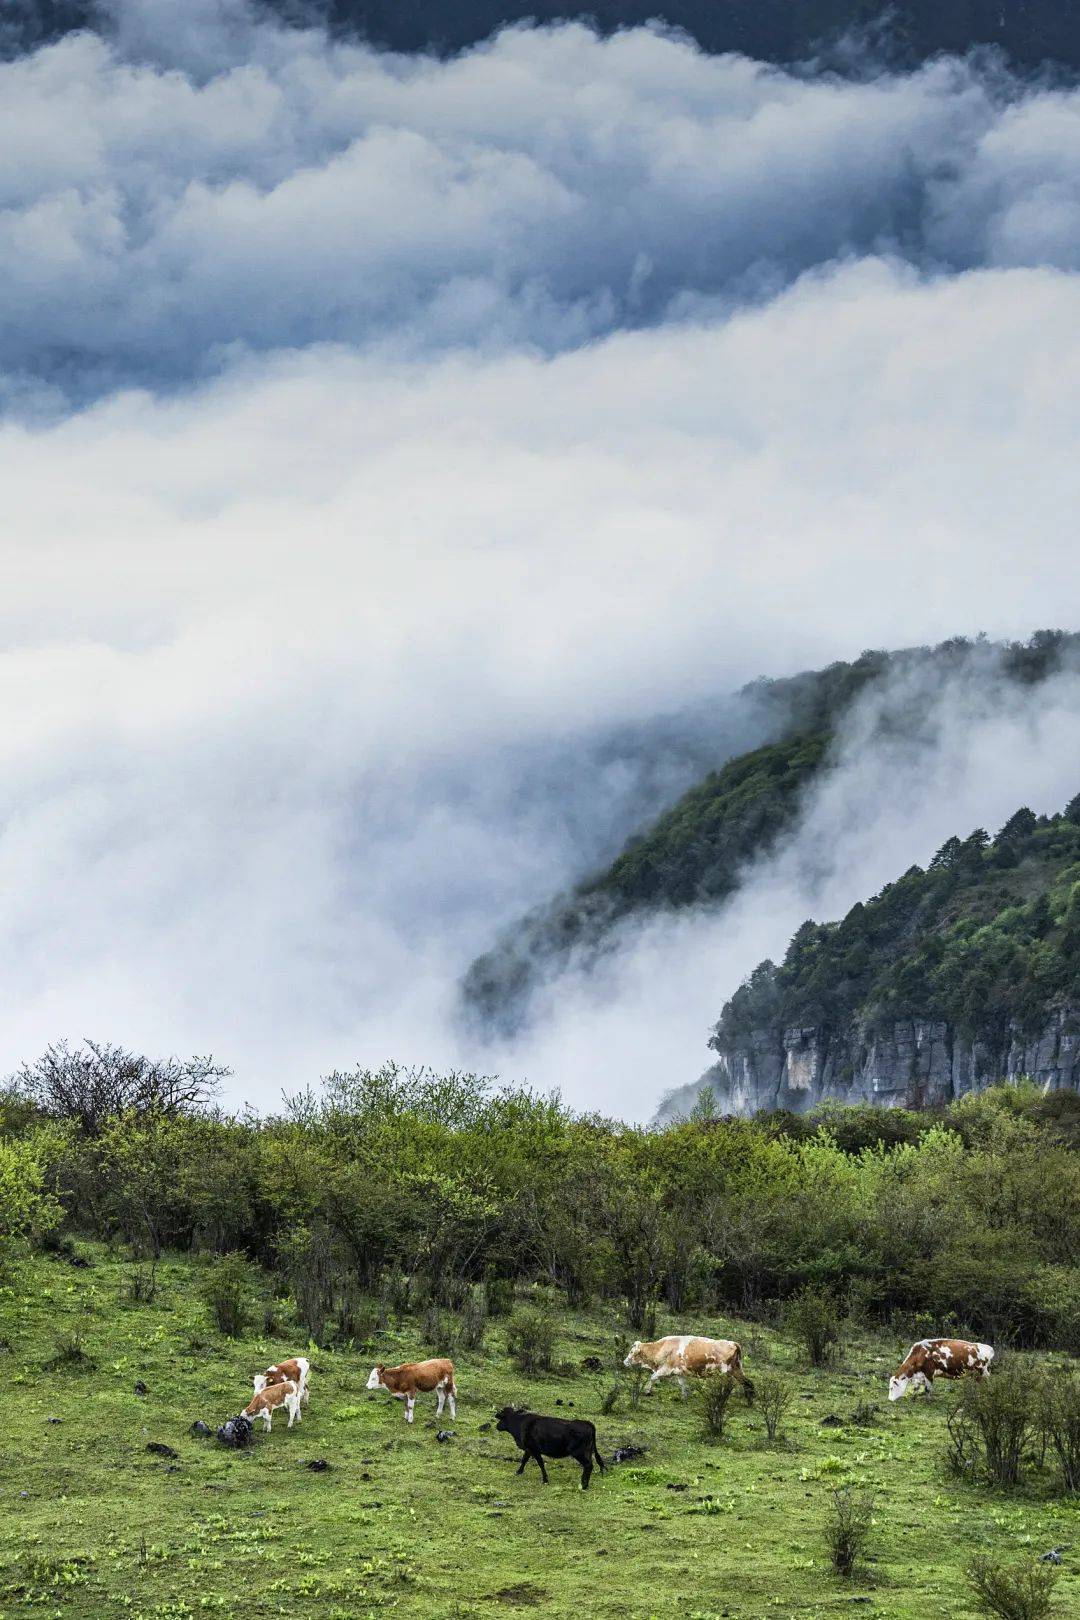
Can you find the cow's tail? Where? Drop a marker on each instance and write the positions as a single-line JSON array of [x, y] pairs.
[[747, 1383], [596, 1454]]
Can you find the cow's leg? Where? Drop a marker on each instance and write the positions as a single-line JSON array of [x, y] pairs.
[[410, 1402], [440, 1397], [540, 1460], [649, 1386], [453, 1406], [524, 1460], [586, 1471], [682, 1386]]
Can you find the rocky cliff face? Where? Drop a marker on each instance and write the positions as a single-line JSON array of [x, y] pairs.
[[909, 1064]]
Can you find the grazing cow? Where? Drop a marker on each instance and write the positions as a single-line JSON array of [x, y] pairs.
[[944, 1358], [267, 1402], [541, 1437], [682, 1353], [415, 1378], [295, 1368]]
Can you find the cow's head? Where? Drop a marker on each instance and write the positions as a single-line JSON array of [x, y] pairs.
[[633, 1355], [505, 1416], [898, 1386], [260, 1381], [375, 1377]]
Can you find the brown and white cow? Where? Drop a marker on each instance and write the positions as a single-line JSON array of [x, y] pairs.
[[684, 1353], [939, 1358], [294, 1368], [413, 1378], [267, 1401]]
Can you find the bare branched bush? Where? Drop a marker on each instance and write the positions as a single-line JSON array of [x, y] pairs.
[[1023, 1591], [98, 1080], [848, 1527], [774, 1397], [962, 1446]]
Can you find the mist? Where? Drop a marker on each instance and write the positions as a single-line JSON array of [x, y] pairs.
[[405, 462]]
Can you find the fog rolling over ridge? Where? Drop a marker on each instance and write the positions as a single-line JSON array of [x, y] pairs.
[[388, 442]]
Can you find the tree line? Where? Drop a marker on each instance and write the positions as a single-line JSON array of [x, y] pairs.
[[427, 1185]]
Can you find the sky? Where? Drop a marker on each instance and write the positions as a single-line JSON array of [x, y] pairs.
[[387, 443]]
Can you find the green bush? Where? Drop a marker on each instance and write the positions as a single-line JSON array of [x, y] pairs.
[[1059, 1411], [712, 1397], [530, 1340], [226, 1291], [774, 1395], [1023, 1591], [811, 1317], [472, 1326], [1003, 1409]]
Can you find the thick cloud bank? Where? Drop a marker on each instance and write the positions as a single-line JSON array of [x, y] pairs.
[[525, 397], [203, 182]]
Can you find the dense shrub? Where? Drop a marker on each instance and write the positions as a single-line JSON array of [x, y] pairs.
[[403, 1187], [811, 1317], [1060, 1419], [226, 1291], [1022, 1591], [472, 1326], [530, 1339], [1003, 1409], [712, 1397]]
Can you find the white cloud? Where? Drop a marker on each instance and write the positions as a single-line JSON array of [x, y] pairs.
[[509, 400], [205, 181]]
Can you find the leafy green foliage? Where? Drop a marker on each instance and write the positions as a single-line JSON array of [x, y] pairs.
[[1021, 1591], [226, 1290], [986, 940]]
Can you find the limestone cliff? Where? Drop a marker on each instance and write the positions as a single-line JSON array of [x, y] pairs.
[[909, 1063]]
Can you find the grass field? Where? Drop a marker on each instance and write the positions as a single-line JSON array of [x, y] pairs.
[[91, 1524]]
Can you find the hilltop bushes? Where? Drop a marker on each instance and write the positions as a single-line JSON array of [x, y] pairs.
[[413, 1188]]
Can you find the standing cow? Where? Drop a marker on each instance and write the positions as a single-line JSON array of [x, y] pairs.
[[414, 1378], [294, 1369], [939, 1358], [539, 1437], [682, 1354]]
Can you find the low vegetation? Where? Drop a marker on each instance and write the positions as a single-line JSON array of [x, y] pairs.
[[155, 1258]]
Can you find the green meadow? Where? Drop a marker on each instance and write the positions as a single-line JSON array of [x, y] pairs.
[[94, 1525]]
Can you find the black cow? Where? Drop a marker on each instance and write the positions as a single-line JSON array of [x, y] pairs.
[[542, 1437]]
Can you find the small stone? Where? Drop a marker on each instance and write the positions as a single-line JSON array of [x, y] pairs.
[[140, 1388], [318, 1465], [159, 1449]]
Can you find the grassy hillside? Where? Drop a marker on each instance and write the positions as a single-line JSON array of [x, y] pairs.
[[93, 1527], [986, 940]]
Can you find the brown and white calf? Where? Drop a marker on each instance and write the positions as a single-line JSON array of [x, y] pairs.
[[415, 1378], [268, 1400], [939, 1358], [681, 1354], [295, 1368]]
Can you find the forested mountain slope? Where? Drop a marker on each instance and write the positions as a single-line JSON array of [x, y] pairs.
[[1030, 31], [949, 979], [696, 852]]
